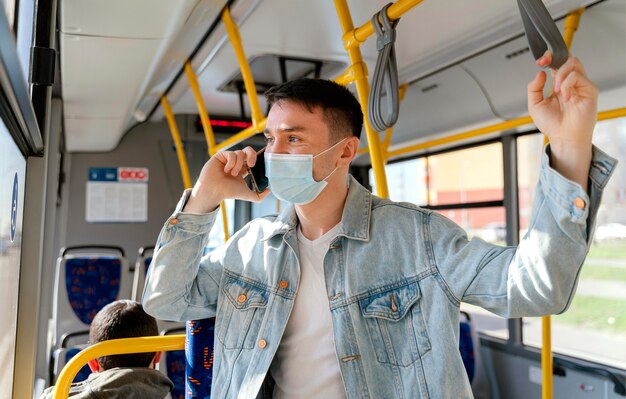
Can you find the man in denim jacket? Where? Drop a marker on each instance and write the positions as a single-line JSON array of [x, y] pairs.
[[345, 294]]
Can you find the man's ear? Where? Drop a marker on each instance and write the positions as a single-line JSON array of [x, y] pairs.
[[94, 365], [349, 150], [157, 358]]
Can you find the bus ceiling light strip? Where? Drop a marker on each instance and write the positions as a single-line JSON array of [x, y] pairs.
[[386, 72], [541, 32]]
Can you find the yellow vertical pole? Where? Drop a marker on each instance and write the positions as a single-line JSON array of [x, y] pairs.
[[248, 80], [209, 135], [363, 92], [180, 152], [547, 392], [204, 116]]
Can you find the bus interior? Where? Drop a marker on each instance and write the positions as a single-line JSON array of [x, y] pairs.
[[110, 109]]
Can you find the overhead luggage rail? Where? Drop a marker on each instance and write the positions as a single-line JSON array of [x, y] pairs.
[[114, 347]]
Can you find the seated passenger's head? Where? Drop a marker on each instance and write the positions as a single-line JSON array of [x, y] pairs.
[[122, 319]]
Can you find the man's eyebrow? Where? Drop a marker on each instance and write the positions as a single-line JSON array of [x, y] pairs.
[[289, 129]]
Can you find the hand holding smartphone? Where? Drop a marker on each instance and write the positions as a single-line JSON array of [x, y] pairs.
[[257, 181]]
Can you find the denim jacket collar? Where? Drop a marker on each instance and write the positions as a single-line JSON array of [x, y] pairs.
[[355, 220]]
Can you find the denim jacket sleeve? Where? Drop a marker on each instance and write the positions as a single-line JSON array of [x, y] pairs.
[[181, 283], [539, 276]]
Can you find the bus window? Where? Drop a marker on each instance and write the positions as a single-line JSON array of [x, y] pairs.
[[216, 236], [597, 315], [12, 173]]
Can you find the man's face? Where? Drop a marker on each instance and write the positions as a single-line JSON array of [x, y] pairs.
[[292, 129]]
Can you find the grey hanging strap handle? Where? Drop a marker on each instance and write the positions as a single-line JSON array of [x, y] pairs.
[[385, 74], [541, 32]]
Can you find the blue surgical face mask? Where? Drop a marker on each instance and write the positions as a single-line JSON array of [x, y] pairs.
[[291, 176]]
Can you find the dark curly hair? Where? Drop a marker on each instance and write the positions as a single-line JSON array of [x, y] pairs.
[[123, 319]]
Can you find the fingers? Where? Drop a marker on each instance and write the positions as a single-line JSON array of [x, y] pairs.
[[576, 84], [544, 60], [571, 65], [236, 160], [250, 156], [535, 89]]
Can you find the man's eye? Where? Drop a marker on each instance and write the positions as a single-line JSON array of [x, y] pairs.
[[293, 139], [268, 139]]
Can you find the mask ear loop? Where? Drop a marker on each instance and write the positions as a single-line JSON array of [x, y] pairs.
[[326, 150]]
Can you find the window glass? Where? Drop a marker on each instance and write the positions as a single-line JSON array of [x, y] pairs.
[[12, 176], [9, 11], [406, 181], [25, 33], [470, 175], [486, 223], [593, 327], [216, 236], [269, 206]]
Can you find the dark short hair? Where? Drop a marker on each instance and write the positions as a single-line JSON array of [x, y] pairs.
[[341, 109], [123, 319]]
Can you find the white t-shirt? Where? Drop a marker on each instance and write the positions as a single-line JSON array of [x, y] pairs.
[[305, 365]]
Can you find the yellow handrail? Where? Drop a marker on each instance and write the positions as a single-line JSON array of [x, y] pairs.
[[209, 135], [354, 37], [363, 90], [248, 80], [113, 347], [180, 152], [525, 120], [241, 136]]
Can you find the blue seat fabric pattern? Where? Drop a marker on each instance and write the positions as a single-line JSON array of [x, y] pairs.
[[91, 284], [200, 351]]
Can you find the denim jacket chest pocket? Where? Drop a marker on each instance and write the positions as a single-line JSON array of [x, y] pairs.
[[396, 326], [240, 313]]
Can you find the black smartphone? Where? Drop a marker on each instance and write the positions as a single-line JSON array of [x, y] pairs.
[[257, 180]]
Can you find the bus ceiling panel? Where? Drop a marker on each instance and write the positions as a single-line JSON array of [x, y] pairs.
[[92, 134], [309, 30], [438, 33], [174, 52], [439, 104], [138, 19], [101, 75], [598, 43]]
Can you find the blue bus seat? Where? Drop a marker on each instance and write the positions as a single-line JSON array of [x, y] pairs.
[[173, 364], [62, 356], [87, 278], [200, 352], [466, 346], [139, 273]]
